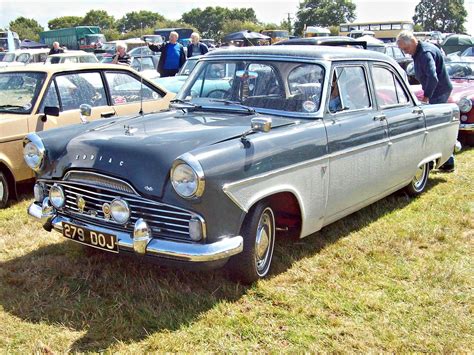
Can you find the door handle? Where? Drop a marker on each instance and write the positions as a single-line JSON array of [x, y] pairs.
[[380, 117], [107, 114]]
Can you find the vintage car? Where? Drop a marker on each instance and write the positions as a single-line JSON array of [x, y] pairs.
[[462, 77], [38, 97], [72, 57], [304, 136]]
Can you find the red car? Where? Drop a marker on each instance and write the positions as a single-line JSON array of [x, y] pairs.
[[462, 77]]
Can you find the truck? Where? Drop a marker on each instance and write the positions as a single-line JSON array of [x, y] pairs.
[[86, 38]]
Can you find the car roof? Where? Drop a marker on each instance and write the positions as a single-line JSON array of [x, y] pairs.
[[316, 40], [301, 52], [72, 54], [41, 67]]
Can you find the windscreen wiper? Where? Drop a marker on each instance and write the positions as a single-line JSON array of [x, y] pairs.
[[234, 103], [184, 102]]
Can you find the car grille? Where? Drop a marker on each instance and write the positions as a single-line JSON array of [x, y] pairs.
[[165, 221]]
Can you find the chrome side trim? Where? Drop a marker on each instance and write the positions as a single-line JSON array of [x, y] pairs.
[[190, 252], [466, 127]]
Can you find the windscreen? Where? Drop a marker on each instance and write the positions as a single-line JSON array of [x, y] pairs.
[[19, 91]]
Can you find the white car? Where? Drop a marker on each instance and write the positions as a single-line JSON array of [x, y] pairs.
[[72, 57]]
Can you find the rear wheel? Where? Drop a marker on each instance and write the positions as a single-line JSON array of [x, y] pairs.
[[418, 183], [258, 232], [4, 190]]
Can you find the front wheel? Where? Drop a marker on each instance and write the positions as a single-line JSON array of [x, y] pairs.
[[418, 183], [258, 231], [4, 191]]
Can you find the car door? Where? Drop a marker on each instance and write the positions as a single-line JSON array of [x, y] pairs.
[[68, 91], [129, 94], [406, 123], [357, 142]]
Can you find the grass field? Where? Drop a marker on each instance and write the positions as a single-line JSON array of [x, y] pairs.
[[395, 276]]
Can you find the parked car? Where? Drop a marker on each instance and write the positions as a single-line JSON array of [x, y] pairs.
[[340, 41], [174, 83], [396, 53], [303, 137], [72, 57], [23, 57], [146, 64], [141, 51], [462, 77], [37, 97]]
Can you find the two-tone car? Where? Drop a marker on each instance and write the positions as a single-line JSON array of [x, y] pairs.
[[302, 136], [38, 97]]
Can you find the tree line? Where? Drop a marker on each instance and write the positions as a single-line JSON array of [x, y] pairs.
[[216, 22]]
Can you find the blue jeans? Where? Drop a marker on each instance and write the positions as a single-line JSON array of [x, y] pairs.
[[441, 99]]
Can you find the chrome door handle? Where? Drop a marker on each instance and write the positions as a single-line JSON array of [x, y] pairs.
[[380, 117], [107, 114]]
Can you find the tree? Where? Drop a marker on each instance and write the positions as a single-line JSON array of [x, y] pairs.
[[137, 20], [324, 13], [210, 21], [26, 28], [99, 18], [64, 22], [441, 15], [237, 25]]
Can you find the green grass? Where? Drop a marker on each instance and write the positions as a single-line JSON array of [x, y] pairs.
[[395, 276]]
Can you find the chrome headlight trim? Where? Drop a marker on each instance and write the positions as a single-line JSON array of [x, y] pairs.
[[465, 105], [113, 211], [34, 162], [59, 199], [190, 161]]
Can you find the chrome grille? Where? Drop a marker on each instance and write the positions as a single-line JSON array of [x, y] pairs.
[[99, 181], [164, 220]]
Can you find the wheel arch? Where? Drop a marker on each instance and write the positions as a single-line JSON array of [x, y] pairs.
[[10, 178]]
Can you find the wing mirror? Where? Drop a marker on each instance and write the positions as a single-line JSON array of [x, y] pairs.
[[257, 124], [85, 111], [49, 111]]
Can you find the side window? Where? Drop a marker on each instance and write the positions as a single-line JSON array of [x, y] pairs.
[[398, 52], [51, 97], [349, 90], [125, 88], [81, 88], [388, 90]]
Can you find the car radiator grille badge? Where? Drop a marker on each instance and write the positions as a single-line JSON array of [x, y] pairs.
[[106, 210], [81, 203]]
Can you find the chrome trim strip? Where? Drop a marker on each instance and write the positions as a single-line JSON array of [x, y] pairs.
[[408, 134], [466, 127], [190, 252]]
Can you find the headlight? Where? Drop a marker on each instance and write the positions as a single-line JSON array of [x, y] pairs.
[[465, 105], [56, 196], [187, 177], [33, 151], [120, 211]]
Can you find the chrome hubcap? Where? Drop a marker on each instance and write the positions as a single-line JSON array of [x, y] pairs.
[[264, 241], [419, 178], [2, 190]]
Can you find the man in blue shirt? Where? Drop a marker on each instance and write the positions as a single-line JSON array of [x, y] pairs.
[[172, 55], [430, 71]]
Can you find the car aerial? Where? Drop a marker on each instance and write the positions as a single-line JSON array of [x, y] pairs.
[[303, 136], [72, 57], [462, 77], [38, 97]]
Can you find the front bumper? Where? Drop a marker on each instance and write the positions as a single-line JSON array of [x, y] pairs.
[[177, 251], [466, 127]]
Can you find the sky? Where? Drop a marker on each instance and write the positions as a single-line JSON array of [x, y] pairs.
[[266, 10]]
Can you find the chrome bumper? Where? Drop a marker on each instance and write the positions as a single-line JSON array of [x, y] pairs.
[[466, 127], [159, 248]]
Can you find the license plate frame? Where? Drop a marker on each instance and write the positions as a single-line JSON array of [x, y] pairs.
[[89, 237]]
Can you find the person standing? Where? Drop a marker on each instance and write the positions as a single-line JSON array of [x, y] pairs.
[[430, 71], [172, 55], [56, 49], [121, 57], [196, 47]]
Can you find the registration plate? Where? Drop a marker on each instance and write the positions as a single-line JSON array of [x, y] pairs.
[[100, 240]]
